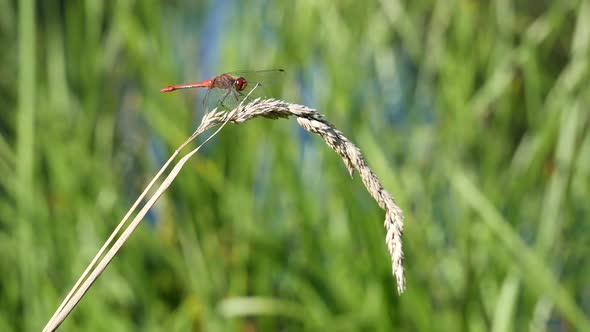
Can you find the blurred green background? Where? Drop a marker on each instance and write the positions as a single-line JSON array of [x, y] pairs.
[[474, 114]]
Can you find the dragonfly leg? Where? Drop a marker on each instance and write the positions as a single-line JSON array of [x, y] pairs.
[[224, 98], [235, 95], [245, 97], [206, 102]]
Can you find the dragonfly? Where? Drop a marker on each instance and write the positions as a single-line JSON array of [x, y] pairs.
[[227, 90]]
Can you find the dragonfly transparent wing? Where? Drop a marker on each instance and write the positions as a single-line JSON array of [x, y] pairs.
[[260, 76], [269, 82]]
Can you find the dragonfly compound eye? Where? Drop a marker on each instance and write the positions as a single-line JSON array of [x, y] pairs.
[[240, 84]]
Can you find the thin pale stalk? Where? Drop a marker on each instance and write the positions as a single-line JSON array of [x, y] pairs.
[[310, 120]]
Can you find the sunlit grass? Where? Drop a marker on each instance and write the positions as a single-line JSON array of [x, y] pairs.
[[472, 114]]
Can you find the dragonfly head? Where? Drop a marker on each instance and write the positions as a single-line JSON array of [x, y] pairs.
[[240, 84]]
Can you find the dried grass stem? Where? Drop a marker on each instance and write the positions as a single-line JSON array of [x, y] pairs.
[[312, 121]]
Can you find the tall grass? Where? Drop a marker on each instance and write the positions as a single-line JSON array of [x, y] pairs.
[[473, 114]]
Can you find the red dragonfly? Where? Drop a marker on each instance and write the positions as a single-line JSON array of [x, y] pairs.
[[231, 87]]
